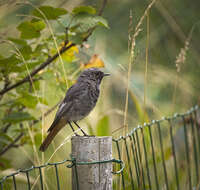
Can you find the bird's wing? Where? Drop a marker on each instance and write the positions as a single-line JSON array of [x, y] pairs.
[[62, 108], [72, 93]]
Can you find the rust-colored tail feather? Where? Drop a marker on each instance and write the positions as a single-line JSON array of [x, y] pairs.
[[52, 133]]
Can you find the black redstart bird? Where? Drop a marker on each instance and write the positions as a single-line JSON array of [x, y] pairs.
[[80, 99]]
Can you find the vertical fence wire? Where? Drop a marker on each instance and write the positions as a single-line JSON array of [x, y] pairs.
[[14, 182], [28, 180], [129, 163], [197, 127], [41, 179], [57, 177], [197, 124], [76, 176], [187, 153], [140, 178], [146, 158], [174, 153], [135, 160], [194, 148], [162, 156], [153, 157], [119, 156], [140, 159]]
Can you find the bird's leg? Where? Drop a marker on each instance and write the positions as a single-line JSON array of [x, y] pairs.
[[73, 129], [81, 129]]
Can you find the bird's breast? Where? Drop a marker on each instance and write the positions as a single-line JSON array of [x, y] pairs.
[[93, 94], [83, 105]]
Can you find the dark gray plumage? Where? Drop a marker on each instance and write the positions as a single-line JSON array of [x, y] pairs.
[[79, 101]]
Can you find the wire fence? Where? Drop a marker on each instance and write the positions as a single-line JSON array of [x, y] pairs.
[[31, 176], [163, 154]]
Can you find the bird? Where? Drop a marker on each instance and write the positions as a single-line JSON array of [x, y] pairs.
[[79, 101]]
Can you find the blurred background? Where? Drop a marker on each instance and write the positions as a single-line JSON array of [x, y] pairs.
[[163, 77]]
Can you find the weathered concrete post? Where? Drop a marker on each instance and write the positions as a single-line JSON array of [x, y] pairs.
[[90, 149]]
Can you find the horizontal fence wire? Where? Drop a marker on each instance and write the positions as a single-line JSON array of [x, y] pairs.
[[162, 154], [27, 172]]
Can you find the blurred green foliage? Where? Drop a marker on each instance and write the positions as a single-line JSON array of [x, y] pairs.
[[37, 42], [103, 126]]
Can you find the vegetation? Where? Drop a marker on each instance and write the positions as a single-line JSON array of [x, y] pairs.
[[149, 47]]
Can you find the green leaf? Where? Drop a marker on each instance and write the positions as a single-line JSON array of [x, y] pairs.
[[43, 101], [28, 100], [5, 139], [26, 139], [103, 127], [30, 29], [14, 62], [77, 39], [5, 62], [21, 89], [8, 65], [84, 9], [36, 85], [49, 12], [29, 64], [40, 50], [26, 52], [83, 22], [16, 117], [101, 21], [18, 42]]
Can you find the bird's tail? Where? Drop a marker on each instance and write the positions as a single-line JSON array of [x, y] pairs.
[[52, 133]]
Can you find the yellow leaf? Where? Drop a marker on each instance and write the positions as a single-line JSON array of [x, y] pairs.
[[68, 55], [95, 61]]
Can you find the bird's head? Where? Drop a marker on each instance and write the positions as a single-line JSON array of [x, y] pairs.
[[93, 75]]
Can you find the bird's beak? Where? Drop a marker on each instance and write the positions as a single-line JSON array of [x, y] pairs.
[[106, 74]]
